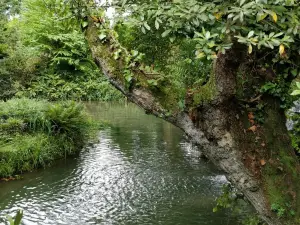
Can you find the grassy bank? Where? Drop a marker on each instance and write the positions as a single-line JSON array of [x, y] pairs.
[[35, 133]]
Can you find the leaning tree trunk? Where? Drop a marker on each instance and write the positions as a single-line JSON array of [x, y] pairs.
[[257, 159]]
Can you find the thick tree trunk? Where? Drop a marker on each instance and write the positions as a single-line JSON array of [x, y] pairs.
[[257, 159]]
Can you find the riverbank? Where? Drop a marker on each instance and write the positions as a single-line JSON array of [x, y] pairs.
[[35, 133]]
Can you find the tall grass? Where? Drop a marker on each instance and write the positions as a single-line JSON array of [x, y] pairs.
[[34, 133]]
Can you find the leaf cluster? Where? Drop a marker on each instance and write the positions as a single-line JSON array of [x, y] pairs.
[[254, 23]]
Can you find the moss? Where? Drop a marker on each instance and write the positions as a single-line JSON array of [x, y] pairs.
[[168, 97], [280, 173], [273, 181], [206, 93], [102, 50], [244, 83], [270, 144]]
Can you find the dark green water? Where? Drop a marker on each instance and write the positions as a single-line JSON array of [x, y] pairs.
[[142, 171]]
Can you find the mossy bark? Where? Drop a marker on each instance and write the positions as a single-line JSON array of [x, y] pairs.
[[257, 159]]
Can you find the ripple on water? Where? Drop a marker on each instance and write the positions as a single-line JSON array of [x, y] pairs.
[[136, 174]]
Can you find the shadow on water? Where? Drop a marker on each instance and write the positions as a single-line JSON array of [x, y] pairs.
[[142, 171]]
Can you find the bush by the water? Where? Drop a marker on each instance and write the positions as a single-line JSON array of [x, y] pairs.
[[34, 133]]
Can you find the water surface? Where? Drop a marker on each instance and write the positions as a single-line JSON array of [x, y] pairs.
[[142, 171]]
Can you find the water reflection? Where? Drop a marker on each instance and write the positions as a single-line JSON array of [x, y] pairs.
[[142, 171]]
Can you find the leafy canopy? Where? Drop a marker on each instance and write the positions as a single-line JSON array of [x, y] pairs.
[[217, 24]]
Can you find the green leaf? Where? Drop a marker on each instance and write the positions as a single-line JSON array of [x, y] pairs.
[[298, 84], [134, 53], [260, 16], [124, 2], [143, 30], [294, 73], [84, 24], [207, 35], [18, 217], [172, 39], [250, 34], [296, 92], [156, 24], [199, 54], [152, 82], [230, 15], [128, 78], [279, 34], [147, 26], [10, 220], [241, 16], [102, 36], [166, 33]]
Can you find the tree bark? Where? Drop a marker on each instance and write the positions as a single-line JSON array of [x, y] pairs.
[[257, 159]]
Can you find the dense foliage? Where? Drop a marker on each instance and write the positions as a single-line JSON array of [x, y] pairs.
[[268, 29], [216, 25], [49, 58], [34, 133], [181, 38]]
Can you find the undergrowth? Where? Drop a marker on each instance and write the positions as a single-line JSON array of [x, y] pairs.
[[35, 133]]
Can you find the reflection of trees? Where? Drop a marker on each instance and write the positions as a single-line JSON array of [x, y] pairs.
[[145, 138], [134, 131]]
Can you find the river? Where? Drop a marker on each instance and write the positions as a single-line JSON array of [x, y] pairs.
[[142, 171]]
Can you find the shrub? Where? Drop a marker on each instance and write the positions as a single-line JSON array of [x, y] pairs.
[[34, 133]]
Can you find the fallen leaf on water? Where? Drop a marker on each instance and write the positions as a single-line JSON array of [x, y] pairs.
[[262, 162], [7, 179]]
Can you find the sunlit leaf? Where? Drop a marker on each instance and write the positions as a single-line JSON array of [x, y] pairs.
[[84, 24], [156, 24], [250, 49], [207, 35], [281, 49], [260, 16], [124, 2], [296, 92], [102, 36], [274, 16], [250, 34], [200, 54], [147, 26]]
